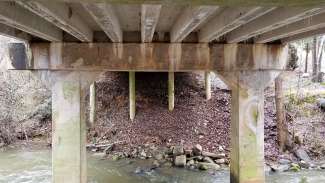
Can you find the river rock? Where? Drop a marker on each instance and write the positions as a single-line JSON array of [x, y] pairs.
[[178, 150], [322, 166], [208, 160], [159, 156], [190, 163], [143, 154], [280, 168], [284, 161], [321, 103], [304, 164], [155, 164], [99, 154], [220, 161], [206, 166], [188, 152], [197, 150], [213, 155], [302, 155], [180, 161]]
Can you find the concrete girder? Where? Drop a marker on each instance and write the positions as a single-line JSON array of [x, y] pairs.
[[190, 19], [313, 23], [228, 20], [106, 18], [149, 19], [14, 33], [147, 57], [18, 17], [62, 16], [270, 21], [304, 35]]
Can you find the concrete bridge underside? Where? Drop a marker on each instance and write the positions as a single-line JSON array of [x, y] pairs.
[[69, 43]]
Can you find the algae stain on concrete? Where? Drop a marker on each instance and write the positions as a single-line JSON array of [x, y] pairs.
[[69, 90]]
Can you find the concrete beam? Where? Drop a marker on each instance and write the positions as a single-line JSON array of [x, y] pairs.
[[106, 18], [207, 84], [171, 91], [210, 2], [247, 124], [163, 57], [14, 33], [132, 95], [270, 21], [313, 23], [62, 16], [15, 16], [190, 19], [304, 35], [228, 20], [149, 19]]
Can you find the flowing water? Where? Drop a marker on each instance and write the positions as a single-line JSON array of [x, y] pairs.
[[17, 166]]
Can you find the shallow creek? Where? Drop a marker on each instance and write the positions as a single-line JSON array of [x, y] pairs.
[[34, 166]]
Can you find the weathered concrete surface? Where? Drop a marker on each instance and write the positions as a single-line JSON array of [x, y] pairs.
[[69, 162], [149, 57], [247, 124]]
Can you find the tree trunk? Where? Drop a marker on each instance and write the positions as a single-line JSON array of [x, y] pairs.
[[307, 53], [314, 52], [282, 128]]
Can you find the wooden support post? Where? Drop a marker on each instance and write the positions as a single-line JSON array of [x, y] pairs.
[[171, 91], [69, 131], [207, 78], [247, 124], [132, 94], [92, 103]]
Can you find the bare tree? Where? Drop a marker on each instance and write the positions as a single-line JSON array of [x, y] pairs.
[[314, 60]]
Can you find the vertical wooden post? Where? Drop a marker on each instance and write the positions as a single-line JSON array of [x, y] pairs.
[[207, 79], [132, 94], [69, 129], [92, 103], [171, 91]]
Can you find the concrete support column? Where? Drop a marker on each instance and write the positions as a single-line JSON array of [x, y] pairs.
[[69, 162], [207, 79], [171, 91], [247, 124], [132, 94], [92, 103]]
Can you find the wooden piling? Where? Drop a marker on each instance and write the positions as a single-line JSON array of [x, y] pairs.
[[171, 91], [207, 79], [92, 103], [132, 94]]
